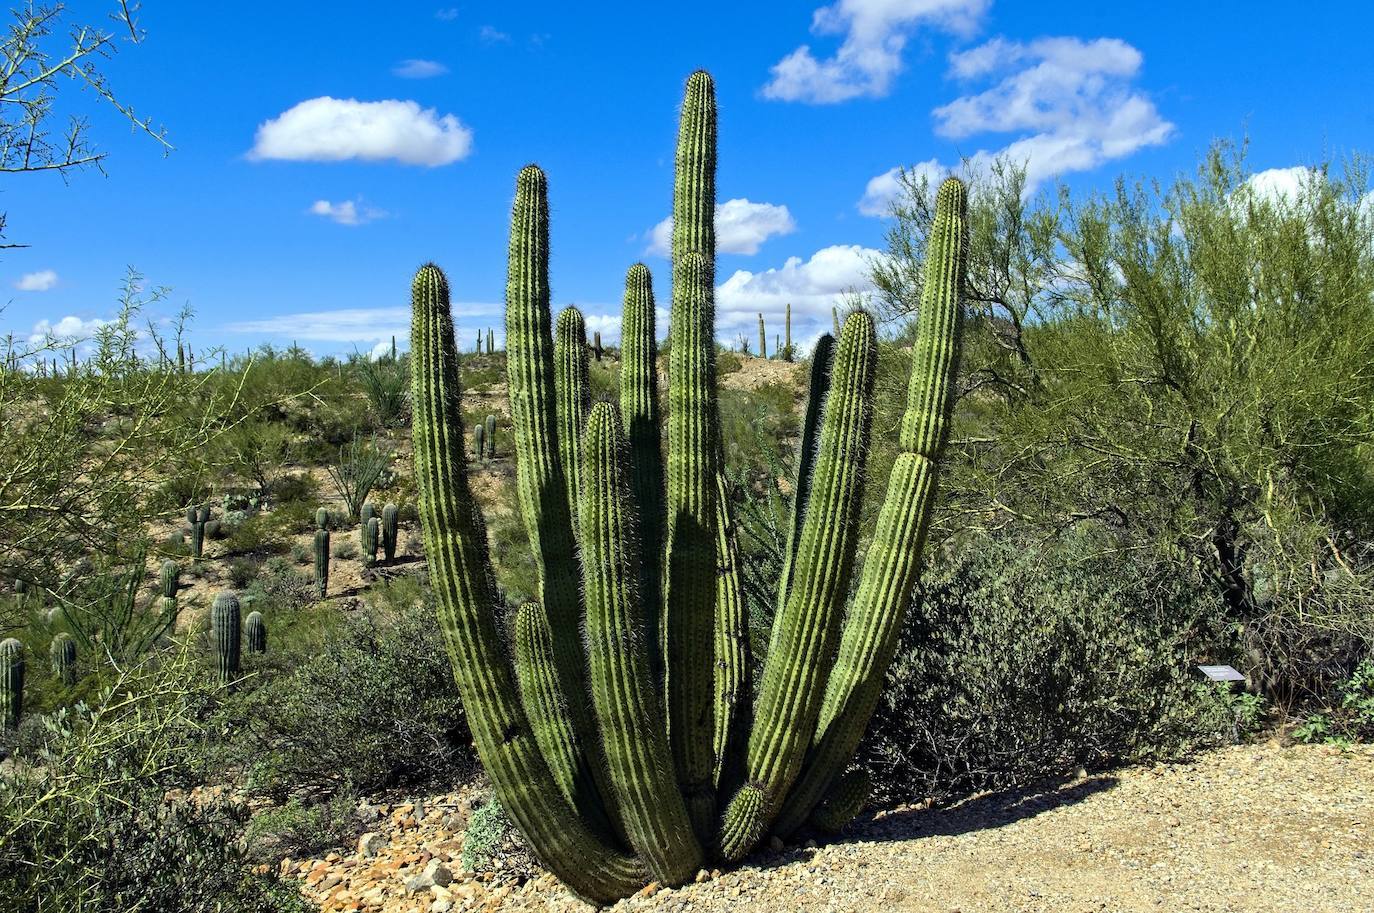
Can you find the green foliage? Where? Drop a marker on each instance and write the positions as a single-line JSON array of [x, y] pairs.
[[105, 806], [1350, 719], [256, 451], [1019, 663], [111, 617], [300, 829], [360, 467], [492, 844], [386, 383]]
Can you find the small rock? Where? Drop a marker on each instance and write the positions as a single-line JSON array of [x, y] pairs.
[[370, 844], [649, 890]]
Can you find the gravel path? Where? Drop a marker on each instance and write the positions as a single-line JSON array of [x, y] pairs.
[[1240, 830]]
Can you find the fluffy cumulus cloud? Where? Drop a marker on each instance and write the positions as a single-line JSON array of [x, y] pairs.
[[870, 56], [419, 69], [1070, 104], [329, 129], [348, 212], [811, 286], [41, 281], [741, 227], [608, 325], [1281, 185], [69, 329], [882, 190]]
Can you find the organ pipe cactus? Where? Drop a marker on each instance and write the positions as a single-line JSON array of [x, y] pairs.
[[322, 562], [255, 631], [623, 742], [62, 656], [226, 634], [390, 514], [11, 683], [573, 387]]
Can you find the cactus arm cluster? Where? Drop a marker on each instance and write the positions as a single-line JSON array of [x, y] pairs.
[[890, 569], [11, 683], [255, 631], [225, 630], [456, 551], [622, 685], [62, 655], [794, 676], [639, 403], [574, 397], [390, 516], [322, 562]]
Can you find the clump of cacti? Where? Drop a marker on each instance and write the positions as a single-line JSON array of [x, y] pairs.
[[625, 743], [255, 632], [226, 634], [371, 533], [11, 683], [390, 517], [62, 656], [169, 582]]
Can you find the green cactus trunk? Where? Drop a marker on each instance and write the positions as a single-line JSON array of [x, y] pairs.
[[255, 631], [226, 634], [479, 441], [788, 352], [574, 397], [372, 534], [456, 551], [62, 655], [169, 582], [763, 339], [322, 562], [367, 512], [390, 518], [491, 436], [197, 539], [11, 683], [491, 341], [596, 345]]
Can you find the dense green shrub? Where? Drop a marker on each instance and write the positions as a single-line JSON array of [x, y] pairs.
[[1020, 662], [300, 828], [369, 707], [1350, 716], [104, 808], [492, 844]]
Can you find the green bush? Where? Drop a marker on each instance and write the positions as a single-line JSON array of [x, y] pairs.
[[300, 829], [491, 844], [101, 819], [254, 535], [369, 707], [1350, 718], [1020, 662]]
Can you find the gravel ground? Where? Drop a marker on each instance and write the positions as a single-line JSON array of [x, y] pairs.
[[1240, 830]]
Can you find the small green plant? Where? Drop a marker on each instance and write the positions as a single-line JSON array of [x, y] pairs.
[[492, 844], [359, 468], [1350, 719]]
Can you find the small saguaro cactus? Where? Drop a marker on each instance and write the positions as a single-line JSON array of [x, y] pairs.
[[478, 350], [763, 339], [197, 539], [169, 582], [390, 515], [479, 441], [787, 352], [255, 631], [491, 435], [626, 741], [226, 632], [62, 656], [205, 512], [367, 513], [596, 345], [11, 680], [322, 562], [371, 532], [11, 683], [491, 341]]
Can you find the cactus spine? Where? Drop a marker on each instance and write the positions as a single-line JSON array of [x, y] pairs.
[[11, 683], [62, 655], [578, 737], [389, 518], [225, 631], [255, 630]]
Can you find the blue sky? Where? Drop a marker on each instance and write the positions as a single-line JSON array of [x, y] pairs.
[[320, 157]]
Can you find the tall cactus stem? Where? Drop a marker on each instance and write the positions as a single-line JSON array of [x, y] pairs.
[[390, 520], [573, 385], [62, 655], [226, 633], [322, 562]]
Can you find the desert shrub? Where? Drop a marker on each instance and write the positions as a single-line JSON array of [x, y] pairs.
[[279, 587], [491, 844], [387, 385], [243, 571], [298, 488], [300, 828], [104, 807], [1350, 716], [727, 362], [371, 706], [344, 548], [1018, 663], [301, 553], [254, 535], [360, 467]]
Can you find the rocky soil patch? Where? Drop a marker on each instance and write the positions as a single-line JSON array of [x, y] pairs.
[[1251, 828]]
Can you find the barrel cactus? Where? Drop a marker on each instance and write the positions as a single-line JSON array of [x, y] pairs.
[[322, 562], [62, 656], [390, 516], [255, 632], [226, 635], [11, 683], [625, 740]]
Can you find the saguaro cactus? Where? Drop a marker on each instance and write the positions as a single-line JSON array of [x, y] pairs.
[[479, 441], [62, 656], [787, 352], [11, 683], [169, 583], [322, 562], [626, 721], [371, 533], [225, 631], [390, 514], [574, 395], [255, 630], [763, 339], [491, 436]]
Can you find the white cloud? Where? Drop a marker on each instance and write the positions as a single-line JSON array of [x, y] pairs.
[[741, 227], [419, 69], [348, 212], [875, 34], [608, 325], [368, 325], [68, 328], [1072, 100], [1282, 186], [811, 286], [41, 281], [446, 14], [329, 129], [492, 35]]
